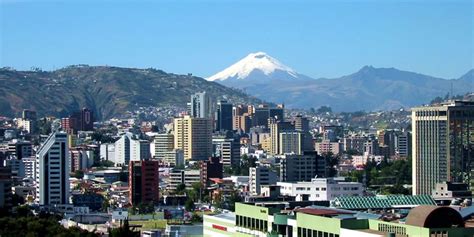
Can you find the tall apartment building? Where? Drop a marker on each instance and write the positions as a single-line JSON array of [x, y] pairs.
[[6, 187], [327, 146], [227, 149], [163, 143], [403, 144], [82, 120], [143, 181], [30, 167], [200, 106], [52, 172], [223, 116], [291, 142], [277, 127], [259, 176], [443, 145], [194, 137], [128, 148], [20, 149], [303, 167]]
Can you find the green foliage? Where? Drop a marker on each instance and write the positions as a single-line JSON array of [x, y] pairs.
[[180, 189], [79, 174], [23, 223], [143, 208], [196, 218], [124, 231], [331, 162], [189, 205], [391, 175]]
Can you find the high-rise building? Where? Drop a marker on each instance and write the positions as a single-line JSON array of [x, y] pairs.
[[163, 143], [259, 176], [194, 137], [223, 116], [29, 115], [5, 187], [403, 144], [227, 149], [291, 142], [209, 169], [277, 127], [200, 106], [143, 181], [20, 149], [303, 167], [443, 145], [301, 123], [52, 172], [122, 150], [139, 150], [82, 120]]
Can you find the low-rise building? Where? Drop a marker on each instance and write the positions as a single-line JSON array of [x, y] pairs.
[[321, 189]]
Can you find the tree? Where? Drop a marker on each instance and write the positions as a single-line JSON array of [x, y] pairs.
[[79, 174], [189, 204], [181, 188], [123, 231]]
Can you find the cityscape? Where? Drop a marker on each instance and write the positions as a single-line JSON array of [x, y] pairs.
[[254, 149]]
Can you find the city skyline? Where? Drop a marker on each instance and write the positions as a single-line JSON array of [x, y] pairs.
[[319, 39]]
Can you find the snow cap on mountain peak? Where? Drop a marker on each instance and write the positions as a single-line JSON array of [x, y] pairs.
[[259, 61]]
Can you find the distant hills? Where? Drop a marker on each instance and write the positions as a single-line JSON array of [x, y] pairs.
[[368, 89], [109, 91]]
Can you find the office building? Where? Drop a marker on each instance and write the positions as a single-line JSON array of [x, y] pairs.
[[139, 150], [443, 145], [194, 137], [20, 149], [291, 142], [82, 120], [107, 151], [52, 172], [163, 143], [143, 181], [259, 176], [403, 144], [210, 169], [186, 177], [30, 167], [5, 187], [200, 106], [321, 189], [227, 149], [122, 150], [303, 167], [172, 158], [277, 127], [326, 146], [223, 116]]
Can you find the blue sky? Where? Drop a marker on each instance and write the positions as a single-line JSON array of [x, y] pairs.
[[316, 38]]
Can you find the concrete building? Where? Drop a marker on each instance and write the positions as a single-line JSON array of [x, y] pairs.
[[107, 151], [227, 149], [186, 177], [20, 149], [143, 181], [194, 137], [291, 142], [212, 168], [326, 146], [303, 167], [200, 106], [277, 127], [259, 176], [128, 148], [173, 158], [163, 143], [223, 117], [30, 167], [52, 172], [321, 189], [6, 187], [443, 145], [403, 144]]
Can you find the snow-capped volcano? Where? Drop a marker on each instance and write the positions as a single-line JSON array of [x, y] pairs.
[[256, 67]]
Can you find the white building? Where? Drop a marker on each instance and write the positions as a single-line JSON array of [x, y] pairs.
[[260, 176], [52, 172], [127, 149], [30, 167], [360, 161], [321, 189], [107, 151]]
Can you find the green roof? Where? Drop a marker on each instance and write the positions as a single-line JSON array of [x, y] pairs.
[[381, 202]]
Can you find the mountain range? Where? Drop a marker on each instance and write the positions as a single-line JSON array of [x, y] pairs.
[[368, 89], [108, 91]]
